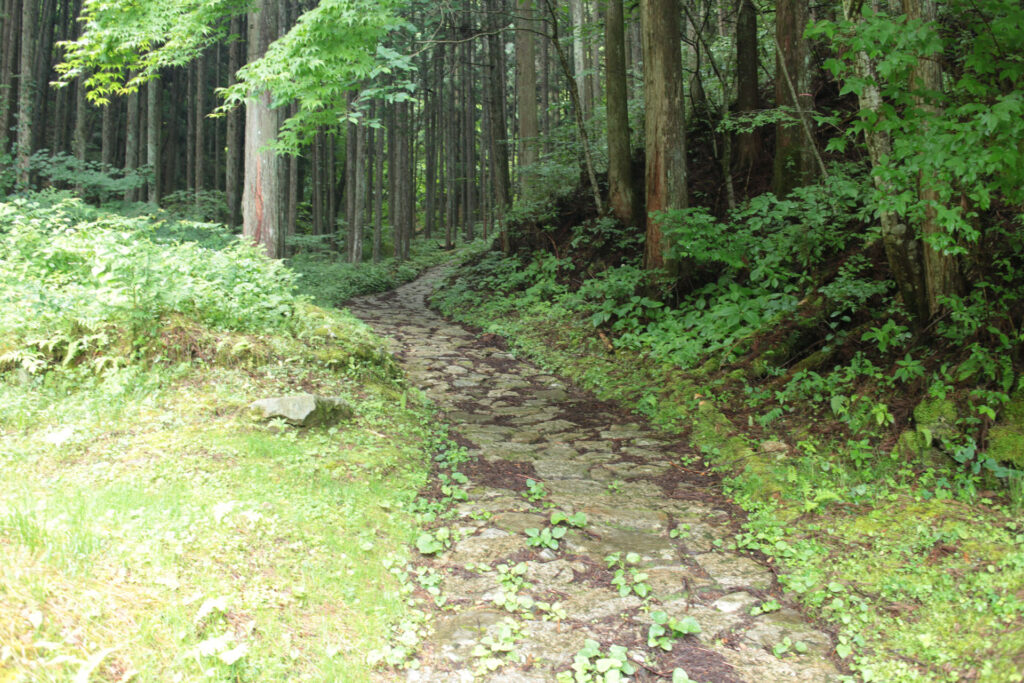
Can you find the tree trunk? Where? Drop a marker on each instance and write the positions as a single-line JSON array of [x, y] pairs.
[[378, 194], [235, 130], [748, 145], [579, 59], [621, 193], [665, 132], [526, 91], [153, 139], [902, 248], [131, 145], [941, 271], [26, 90], [261, 196], [200, 128], [794, 156], [8, 63]]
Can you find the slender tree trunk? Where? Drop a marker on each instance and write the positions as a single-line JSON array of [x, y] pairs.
[[235, 131], [748, 144], [902, 248], [8, 62], [153, 138], [579, 59], [497, 139], [526, 92], [941, 271], [261, 196], [131, 146], [27, 90], [595, 56], [79, 140], [378, 195], [621, 192], [794, 155], [665, 138], [200, 128]]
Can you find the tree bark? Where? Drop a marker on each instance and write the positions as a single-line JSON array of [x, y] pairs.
[[260, 198], [26, 90], [579, 60], [235, 131], [8, 64], [794, 153], [153, 119], [748, 144], [902, 248], [941, 271], [131, 145], [526, 91], [665, 133], [621, 192]]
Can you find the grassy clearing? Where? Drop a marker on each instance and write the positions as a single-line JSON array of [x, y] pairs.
[[918, 567], [150, 528]]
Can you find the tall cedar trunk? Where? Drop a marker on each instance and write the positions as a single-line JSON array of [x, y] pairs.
[[497, 138], [200, 129], [636, 55], [355, 230], [235, 130], [317, 183], [78, 143], [131, 145], [794, 156], [190, 127], [526, 91], [545, 89], [378, 193], [579, 59], [430, 149], [469, 179], [748, 145], [902, 248], [153, 138], [595, 57], [260, 198], [621, 192], [451, 175], [7, 71], [665, 138], [26, 89], [941, 271], [291, 224], [45, 23]]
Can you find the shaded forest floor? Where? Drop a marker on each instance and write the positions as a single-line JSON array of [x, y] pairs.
[[917, 569]]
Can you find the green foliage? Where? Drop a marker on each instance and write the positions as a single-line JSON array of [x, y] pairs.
[[326, 278], [963, 139], [593, 665], [666, 629], [95, 182], [97, 287]]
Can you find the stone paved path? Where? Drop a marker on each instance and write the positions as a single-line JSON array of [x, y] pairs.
[[634, 488]]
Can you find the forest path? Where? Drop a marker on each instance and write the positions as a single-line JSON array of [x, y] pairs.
[[640, 499]]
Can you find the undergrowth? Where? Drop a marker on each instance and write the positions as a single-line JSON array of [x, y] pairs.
[[874, 459], [151, 529]]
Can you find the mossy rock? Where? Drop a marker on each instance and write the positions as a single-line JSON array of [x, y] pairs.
[[1013, 413], [936, 415], [1006, 444], [915, 447]]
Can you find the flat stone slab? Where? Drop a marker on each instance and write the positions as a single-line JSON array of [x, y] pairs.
[[735, 571]]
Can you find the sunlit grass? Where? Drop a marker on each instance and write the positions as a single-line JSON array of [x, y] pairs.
[[149, 525]]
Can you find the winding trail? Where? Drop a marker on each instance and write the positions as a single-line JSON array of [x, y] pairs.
[[635, 488]]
